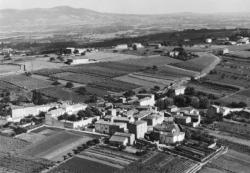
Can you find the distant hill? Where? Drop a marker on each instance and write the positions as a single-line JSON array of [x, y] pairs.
[[80, 20]]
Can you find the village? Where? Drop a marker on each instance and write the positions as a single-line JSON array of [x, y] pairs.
[[69, 107]]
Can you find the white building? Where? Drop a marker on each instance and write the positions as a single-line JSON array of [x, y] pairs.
[[137, 46], [19, 112], [214, 109], [81, 123], [129, 136], [180, 90], [108, 127], [121, 47], [169, 133], [146, 99], [139, 128], [209, 40], [75, 61], [154, 119], [118, 140]]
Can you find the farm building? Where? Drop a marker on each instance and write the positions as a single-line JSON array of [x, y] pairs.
[[139, 128], [136, 46], [155, 45], [121, 47], [224, 51], [75, 61], [169, 133], [243, 40], [81, 123], [108, 127], [209, 40]]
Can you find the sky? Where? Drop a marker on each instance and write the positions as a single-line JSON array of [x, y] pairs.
[[137, 6]]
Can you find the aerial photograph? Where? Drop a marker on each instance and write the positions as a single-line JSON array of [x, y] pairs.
[[124, 86]]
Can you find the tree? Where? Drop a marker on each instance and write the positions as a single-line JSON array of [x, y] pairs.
[[56, 82], [190, 91], [93, 99], [180, 101], [155, 67], [204, 103], [195, 102], [142, 91], [171, 93], [157, 88], [129, 93], [69, 85], [52, 59], [82, 90]]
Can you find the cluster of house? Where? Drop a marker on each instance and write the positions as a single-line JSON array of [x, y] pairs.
[[136, 46], [225, 40]]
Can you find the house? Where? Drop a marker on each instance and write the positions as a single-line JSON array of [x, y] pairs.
[[179, 90], [174, 54], [121, 47], [154, 119], [108, 127], [169, 133], [75, 61], [139, 128], [136, 46], [155, 45], [146, 99], [129, 136], [224, 111], [142, 114], [172, 108], [224, 51], [79, 124], [209, 40], [118, 140], [183, 119], [243, 40]]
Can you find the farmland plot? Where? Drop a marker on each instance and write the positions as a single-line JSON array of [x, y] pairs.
[[97, 70], [78, 78], [129, 68], [240, 54], [203, 64], [55, 145], [63, 94], [26, 82], [150, 61], [114, 85]]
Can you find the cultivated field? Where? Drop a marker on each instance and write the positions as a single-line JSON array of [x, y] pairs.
[[232, 161], [78, 78], [26, 82], [151, 60], [203, 64], [108, 56], [114, 85], [63, 94], [12, 145], [54, 146], [240, 54], [8, 68]]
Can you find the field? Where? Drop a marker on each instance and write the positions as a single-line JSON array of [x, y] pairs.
[[63, 94], [138, 81], [162, 162], [12, 145], [240, 54], [151, 60], [8, 86], [171, 71], [78, 78], [203, 64], [77, 164], [97, 159], [232, 161], [235, 98], [93, 69], [26, 82], [212, 88], [114, 85], [231, 72], [54, 143], [8, 68]]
